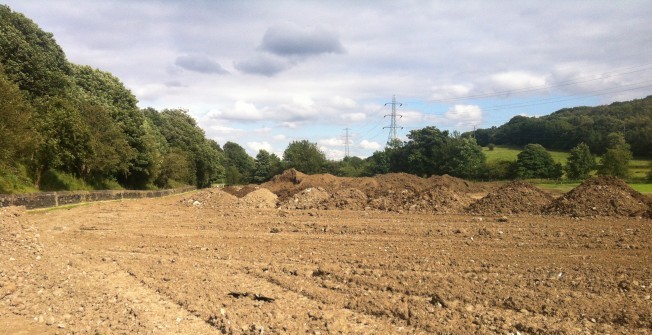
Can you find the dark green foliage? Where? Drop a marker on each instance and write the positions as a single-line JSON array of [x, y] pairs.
[[500, 170], [239, 165], [267, 166], [18, 137], [305, 157], [615, 162], [491, 146], [566, 128], [31, 57], [430, 151], [580, 162], [535, 162]]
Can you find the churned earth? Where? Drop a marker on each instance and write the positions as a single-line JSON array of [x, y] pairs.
[[209, 262]]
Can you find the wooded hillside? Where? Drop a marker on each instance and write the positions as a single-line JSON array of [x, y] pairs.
[[566, 128]]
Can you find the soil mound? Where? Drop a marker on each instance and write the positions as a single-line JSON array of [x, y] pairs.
[[349, 198], [291, 182], [516, 197], [601, 196], [240, 191], [210, 198], [436, 200], [310, 198], [260, 198]]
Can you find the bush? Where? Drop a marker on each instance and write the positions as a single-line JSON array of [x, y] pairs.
[[53, 180], [491, 146], [535, 162]]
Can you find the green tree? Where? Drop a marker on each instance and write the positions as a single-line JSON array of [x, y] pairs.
[[17, 134], [305, 157], [377, 163], [239, 165], [615, 162], [535, 162], [580, 162], [267, 166]]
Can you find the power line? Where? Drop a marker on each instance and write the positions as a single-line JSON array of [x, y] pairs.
[[392, 125]]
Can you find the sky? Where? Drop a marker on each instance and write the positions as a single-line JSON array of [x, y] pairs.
[[266, 73]]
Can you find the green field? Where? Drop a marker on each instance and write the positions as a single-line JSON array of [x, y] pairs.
[[638, 168]]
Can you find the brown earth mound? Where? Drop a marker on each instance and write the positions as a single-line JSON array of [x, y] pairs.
[[601, 196], [349, 198], [240, 191], [437, 199], [260, 198], [292, 182], [310, 198], [389, 192], [210, 198], [516, 197]]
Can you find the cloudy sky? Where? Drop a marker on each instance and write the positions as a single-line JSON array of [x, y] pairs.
[[264, 73]]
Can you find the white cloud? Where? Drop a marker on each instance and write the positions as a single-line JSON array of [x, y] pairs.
[[257, 146], [516, 80], [353, 117], [331, 142], [341, 102], [464, 116], [370, 145], [444, 92]]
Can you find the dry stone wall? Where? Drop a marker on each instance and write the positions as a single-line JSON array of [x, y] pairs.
[[54, 199]]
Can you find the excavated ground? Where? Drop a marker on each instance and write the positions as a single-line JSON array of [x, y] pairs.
[[376, 261]]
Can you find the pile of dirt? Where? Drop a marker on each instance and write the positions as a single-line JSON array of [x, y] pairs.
[[310, 198], [436, 200], [259, 198], [601, 196], [240, 191], [209, 198], [348, 198], [291, 182], [516, 197]]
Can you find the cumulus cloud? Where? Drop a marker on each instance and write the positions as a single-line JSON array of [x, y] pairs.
[[264, 64], [241, 111], [199, 63], [516, 80], [370, 145], [354, 117], [444, 92], [342, 102], [464, 116], [331, 142], [291, 40], [257, 146]]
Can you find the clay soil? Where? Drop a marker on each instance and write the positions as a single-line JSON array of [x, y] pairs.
[[209, 262]]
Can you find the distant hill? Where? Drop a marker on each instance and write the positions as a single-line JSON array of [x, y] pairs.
[[565, 128]]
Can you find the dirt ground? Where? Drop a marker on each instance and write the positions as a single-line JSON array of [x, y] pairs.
[[208, 262]]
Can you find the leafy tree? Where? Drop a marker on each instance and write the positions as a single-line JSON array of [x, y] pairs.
[[305, 157], [352, 166], [183, 135], [267, 166], [377, 163], [31, 57], [580, 162], [177, 169], [239, 165], [17, 134], [499, 170], [615, 162], [535, 162]]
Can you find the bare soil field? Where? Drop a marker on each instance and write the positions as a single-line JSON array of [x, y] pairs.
[[389, 255]]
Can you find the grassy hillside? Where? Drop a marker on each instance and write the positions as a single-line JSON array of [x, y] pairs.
[[638, 168]]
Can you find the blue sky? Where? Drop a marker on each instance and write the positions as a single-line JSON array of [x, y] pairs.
[[264, 73]]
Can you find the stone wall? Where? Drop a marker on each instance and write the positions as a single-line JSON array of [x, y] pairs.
[[54, 199]]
